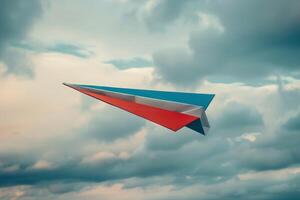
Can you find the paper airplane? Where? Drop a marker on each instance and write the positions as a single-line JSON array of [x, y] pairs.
[[173, 110]]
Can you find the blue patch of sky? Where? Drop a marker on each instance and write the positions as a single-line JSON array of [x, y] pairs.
[[63, 48], [136, 62], [255, 82], [70, 49]]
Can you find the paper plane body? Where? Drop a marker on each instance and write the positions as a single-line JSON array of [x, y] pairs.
[[173, 110]]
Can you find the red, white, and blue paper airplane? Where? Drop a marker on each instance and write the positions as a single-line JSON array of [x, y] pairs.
[[172, 110]]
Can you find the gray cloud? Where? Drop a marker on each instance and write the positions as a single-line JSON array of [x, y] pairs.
[[261, 159], [250, 46], [184, 177], [186, 154], [143, 164], [112, 124], [198, 160], [272, 151], [163, 13], [293, 124], [237, 118], [17, 62], [156, 140], [248, 189], [16, 18]]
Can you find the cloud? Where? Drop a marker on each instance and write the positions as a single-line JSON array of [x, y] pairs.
[[237, 118], [16, 19], [16, 61], [276, 184], [111, 124], [54, 154], [277, 150], [91, 153], [293, 124], [41, 165], [158, 14], [156, 140], [245, 49], [60, 144], [261, 159]]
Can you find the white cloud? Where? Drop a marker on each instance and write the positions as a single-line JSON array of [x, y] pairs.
[[42, 165], [207, 21], [281, 174], [42, 108], [251, 137]]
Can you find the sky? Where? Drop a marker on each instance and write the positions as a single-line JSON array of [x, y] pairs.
[[56, 143]]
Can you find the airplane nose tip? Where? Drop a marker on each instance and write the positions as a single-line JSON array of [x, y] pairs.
[[66, 84]]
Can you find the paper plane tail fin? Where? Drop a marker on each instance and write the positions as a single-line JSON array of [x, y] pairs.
[[201, 125]]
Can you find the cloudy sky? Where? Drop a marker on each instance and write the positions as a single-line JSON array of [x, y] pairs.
[[58, 144]]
